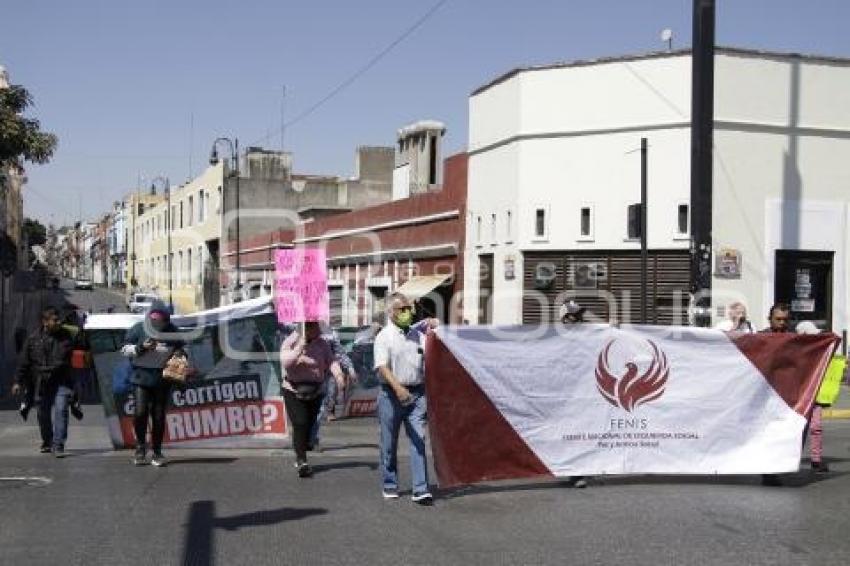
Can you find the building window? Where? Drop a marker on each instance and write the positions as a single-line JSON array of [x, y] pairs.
[[219, 208], [478, 230], [173, 217], [493, 228], [683, 219], [586, 222], [189, 278], [201, 207], [540, 222], [180, 218], [179, 269], [633, 221], [191, 211], [508, 227]]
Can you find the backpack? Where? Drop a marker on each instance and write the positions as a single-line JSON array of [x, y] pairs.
[[121, 378]]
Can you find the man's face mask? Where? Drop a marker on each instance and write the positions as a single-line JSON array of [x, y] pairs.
[[404, 317]]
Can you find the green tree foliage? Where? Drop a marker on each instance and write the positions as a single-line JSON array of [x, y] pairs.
[[21, 138], [35, 232]]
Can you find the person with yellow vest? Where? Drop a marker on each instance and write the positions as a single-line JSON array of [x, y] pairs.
[[827, 395]]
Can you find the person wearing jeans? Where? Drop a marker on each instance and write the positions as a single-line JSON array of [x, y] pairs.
[[399, 360], [306, 359], [44, 376]]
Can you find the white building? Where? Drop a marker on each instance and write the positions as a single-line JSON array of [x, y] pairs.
[[554, 165]]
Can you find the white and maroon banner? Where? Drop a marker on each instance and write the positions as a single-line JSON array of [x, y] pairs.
[[511, 402]]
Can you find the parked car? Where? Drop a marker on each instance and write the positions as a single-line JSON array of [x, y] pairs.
[[140, 302], [81, 284]]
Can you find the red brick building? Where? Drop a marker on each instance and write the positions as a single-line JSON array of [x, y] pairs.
[[413, 245]]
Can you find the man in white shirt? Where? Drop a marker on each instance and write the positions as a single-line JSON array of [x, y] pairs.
[[399, 360]]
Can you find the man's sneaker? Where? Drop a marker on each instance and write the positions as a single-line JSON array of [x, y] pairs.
[[139, 457], [59, 451], [425, 499], [45, 449], [24, 410], [304, 470], [579, 482], [820, 467], [76, 410], [159, 460], [390, 493]]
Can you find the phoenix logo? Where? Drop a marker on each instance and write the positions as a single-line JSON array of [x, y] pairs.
[[633, 389]]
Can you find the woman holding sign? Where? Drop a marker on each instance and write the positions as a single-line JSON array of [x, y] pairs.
[[306, 359]]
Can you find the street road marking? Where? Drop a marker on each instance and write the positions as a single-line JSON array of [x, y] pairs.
[[30, 480], [836, 413]]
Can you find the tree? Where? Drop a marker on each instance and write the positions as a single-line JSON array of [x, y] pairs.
[[34, 232], [21, 138]]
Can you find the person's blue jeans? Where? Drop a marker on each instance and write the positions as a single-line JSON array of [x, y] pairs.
[[53, 415], [391, 415]]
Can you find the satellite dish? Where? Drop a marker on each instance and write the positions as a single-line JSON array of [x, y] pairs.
[[667, 37]]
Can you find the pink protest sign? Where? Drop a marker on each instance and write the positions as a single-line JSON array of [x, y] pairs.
[[301, 285]]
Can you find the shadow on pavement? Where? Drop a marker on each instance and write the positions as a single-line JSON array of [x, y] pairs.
[[793, 480], [209, 460], [199, 547], [319, 468]]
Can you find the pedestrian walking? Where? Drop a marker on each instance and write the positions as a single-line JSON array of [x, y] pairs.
[[306, 359], [333, 392], [44, 378], [150, 344], [573, 313], [814, 428], [399, 360], [778, 319]]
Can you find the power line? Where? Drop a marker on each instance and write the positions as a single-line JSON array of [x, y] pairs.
[[359, 72]]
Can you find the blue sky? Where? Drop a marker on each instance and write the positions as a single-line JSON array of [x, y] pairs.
[[142, 88]]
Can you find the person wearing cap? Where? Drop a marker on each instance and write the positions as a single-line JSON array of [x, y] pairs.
[[149, 344], [572, 313], [306, 359], [399, 361], [815, 424]]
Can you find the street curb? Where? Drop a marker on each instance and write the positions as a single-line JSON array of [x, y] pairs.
[[836, 414]]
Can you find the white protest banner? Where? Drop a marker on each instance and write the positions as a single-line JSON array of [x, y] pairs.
[[593, 400]]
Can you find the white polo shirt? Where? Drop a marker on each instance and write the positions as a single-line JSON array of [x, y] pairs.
[[402, 353]]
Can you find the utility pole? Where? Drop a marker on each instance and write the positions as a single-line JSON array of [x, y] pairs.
[[702, 136]]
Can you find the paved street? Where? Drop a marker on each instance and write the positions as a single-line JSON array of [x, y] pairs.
[[248, 507]]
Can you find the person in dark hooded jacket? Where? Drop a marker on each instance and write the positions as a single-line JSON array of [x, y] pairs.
[[44, 376], [149, 344]]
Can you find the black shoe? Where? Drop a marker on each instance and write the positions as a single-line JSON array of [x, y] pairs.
[[139, 457], [59, 451], [820, 467], [24, 410], [158, 460], [76, 411], [304, 470], [771, 480], [424, 499], [46, 449]]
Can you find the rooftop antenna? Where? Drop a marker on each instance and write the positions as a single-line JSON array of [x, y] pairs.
[[667, 37]]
